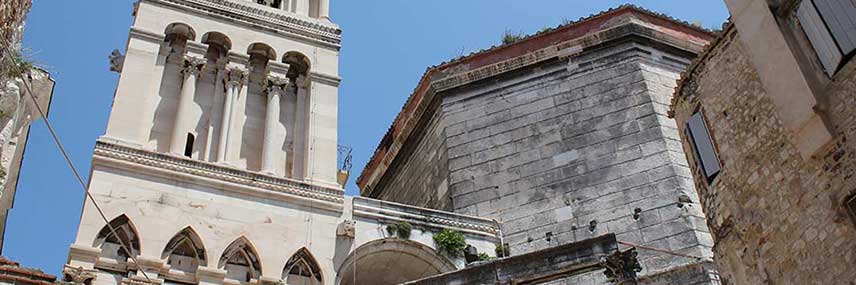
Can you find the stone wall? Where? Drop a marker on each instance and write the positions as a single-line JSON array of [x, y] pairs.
[[551, 149], [777, 218], [12, 15], [423, 180]]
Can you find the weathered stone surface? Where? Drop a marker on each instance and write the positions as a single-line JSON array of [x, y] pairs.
[[550, 149], [775, 216]]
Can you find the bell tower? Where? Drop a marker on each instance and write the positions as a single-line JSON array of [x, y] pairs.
[[224, 120], [251, 84]]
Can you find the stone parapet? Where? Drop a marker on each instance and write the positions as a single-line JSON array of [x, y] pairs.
[[426, 217]]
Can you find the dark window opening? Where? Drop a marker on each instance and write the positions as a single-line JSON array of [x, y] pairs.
[[188, 147], [703, 147], [272, 3]]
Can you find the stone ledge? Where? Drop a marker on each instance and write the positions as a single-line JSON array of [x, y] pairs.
[[281, 21], [420, 216], [108, 151]]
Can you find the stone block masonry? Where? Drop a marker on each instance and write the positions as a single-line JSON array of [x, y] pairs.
[[556, 150], [776, 217], [561, 137]]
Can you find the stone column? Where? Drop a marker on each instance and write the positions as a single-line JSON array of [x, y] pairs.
[[233, 81], [301, 128], [324, 9], [272, 141], [192, 67]]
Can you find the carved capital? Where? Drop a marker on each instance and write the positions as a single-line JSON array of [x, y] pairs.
[[78, 275], [621, 267], [193, 65], [276, 85], [236, 76]]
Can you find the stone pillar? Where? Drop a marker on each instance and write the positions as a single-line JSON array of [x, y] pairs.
[[216, 108], [272, 140], [324, 9], [192, 67], [301, 128], [233, 81]]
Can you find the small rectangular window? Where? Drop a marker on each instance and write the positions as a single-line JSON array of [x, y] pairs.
[[703, 148], [830, 26]]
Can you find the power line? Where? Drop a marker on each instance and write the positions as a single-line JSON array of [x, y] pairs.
[[21, 72], [661, 250]]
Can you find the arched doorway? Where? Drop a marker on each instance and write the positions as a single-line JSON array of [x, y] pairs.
[[391, 261]]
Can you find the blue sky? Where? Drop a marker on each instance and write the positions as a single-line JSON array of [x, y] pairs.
[[387, 45]]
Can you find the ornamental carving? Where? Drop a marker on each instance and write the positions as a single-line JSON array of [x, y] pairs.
[[77, 275], [237, 76], [276, 85], [193, 65], [621, 267]]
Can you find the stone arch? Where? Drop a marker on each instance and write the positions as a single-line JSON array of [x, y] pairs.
[[409, 260], [185, 251], [263, 50], [241, 261], [302, 269], [180, 29], [218, 43], [111, 243], [298, 62]]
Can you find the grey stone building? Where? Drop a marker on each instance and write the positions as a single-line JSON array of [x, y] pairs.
[[561, 136]]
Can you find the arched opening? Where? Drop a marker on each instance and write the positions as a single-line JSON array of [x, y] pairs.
[[177, 36], [185, 252], [240, 261], [260, 54], [188, 145], [302, 269], [218, 46], [391, 261], [111, 241], [298, 63]]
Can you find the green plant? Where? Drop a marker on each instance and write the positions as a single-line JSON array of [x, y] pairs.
[[450, 242], [19, 65], [502, 250], [509, 37], [399, 229], [484, 257]]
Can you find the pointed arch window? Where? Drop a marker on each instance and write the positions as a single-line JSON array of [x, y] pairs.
[[302, 269], [111, 242], [240, 261], [185, 251]]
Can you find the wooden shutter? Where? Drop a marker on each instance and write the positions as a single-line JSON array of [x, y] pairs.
[[705, 152], [840, 18], [820, 37]]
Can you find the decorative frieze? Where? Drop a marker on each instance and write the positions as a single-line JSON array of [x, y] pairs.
[[216, 172], [248, 11], [420, 216]]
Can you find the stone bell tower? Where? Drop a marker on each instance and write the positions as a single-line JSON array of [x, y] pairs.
[[255, 90], [228, 102]]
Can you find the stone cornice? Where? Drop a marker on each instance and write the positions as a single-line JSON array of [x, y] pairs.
[[325, 79], [395, 212], [251, 13], [110, 151]]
